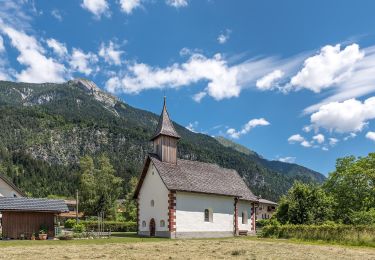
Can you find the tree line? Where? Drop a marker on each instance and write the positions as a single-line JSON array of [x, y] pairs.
[[346, 197]]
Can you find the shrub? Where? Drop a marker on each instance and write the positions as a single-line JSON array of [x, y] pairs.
[[69, 223], [114, 226], [79, 228], [327, 232], [65, 237], [363, 217]]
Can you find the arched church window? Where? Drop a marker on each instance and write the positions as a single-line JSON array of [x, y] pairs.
[[244, 217], [143, 223], [152, 203], [208, 215], [162, 223]]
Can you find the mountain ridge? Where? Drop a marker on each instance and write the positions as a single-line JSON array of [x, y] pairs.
[[48, 127]]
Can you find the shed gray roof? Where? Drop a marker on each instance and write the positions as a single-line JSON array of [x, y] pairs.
[[165, 125], [194, 176], [32, 204]]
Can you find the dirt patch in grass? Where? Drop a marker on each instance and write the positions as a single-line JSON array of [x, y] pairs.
[[232, 248]]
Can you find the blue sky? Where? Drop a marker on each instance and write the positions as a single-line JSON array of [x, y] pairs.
[[292, 80]]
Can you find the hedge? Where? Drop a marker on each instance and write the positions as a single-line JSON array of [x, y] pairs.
[[364, 234], [114, 226]]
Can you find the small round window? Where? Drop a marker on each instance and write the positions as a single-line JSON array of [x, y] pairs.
[[152, 203]]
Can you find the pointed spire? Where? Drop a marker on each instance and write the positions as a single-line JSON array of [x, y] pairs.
[[165, 125]]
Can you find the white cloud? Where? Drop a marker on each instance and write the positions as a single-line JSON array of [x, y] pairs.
[[224, 37], [247, 127], [305, 143], [319, 138], [371, 136], [39, 68], [83, 62], [97, 7], [199, 96], [297, 138], [177, 3], [343, 117], [58, 47], [307, 128], [192, 126], [287, 159], [56, 13], [350, 136], [267, 82], [110, 53], [329, 67], [333, 141], [222, 80], [2, 47], [127, 6]]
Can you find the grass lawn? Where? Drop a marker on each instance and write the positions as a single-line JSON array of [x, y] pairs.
[[128, 246]]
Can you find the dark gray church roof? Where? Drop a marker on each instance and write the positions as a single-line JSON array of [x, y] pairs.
[[165, 125], [32, 204], [194, 176], [11, 184]]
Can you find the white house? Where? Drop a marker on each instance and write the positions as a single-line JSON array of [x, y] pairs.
[[8, 189], [266, 209], [180, 198]]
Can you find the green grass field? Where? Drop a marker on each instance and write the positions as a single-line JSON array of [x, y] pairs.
[[129, 246]]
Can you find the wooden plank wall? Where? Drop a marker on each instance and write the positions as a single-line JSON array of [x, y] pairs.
[[17, 223], [169, 149]]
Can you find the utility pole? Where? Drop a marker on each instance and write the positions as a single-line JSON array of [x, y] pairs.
[[77, 206]]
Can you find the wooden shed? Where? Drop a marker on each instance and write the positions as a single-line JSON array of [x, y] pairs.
[[21, 217]]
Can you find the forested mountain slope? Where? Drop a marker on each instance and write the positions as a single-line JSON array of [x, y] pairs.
[[46, 128]]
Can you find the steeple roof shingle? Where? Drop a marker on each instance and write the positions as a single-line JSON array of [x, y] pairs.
[[165, 125]]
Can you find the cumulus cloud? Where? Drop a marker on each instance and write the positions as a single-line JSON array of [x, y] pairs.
[[343, 117], [331, 66], [371, 136], [56, 13], [288, 159], [83, 62], [177, 3], [110, 53], [127, 6], [224, 37], [267, 82], [222, 79], [58, 47], [319, 138], [333, 141], [350, 136], [247, 127], [39, 68], [96, 7], [199, 96], [297, 138], [192, 126]]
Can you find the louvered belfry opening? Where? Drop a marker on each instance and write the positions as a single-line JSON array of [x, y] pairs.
[[165, 138]]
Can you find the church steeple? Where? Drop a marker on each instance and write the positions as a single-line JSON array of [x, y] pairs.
[[165, 138]]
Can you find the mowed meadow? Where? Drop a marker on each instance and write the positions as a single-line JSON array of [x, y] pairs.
[[137, 248]]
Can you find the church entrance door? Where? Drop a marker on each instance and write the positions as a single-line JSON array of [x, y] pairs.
[[152, 227]]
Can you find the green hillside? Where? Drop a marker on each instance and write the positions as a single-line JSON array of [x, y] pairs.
[[46, 128]]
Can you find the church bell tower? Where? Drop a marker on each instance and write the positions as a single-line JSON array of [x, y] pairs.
[[165, 138]]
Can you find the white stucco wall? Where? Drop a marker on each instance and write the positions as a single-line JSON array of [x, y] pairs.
[[244, 206], [7, 191], [153, 188], [190, 212]]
